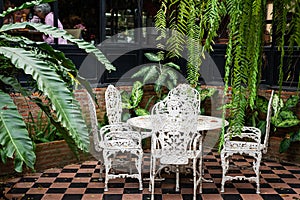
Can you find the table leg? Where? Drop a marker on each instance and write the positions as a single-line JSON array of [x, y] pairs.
[[203, 133]]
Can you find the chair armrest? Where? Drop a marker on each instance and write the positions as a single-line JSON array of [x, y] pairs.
[[119, 132]]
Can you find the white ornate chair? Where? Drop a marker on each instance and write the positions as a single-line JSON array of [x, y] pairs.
[[175, 141], [247, 143], [118, 138], [111, 140], [88, 110]]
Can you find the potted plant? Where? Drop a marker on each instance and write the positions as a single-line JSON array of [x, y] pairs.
[[52, 76], [285, 121]]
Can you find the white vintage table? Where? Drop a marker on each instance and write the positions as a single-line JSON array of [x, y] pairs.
[[205, 123]]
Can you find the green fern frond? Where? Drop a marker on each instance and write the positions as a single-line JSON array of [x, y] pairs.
[[213, 14]]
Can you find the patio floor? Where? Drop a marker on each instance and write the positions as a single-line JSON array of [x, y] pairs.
[[80, 181]]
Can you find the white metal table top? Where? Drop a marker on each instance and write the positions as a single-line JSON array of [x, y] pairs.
[[205, 123]]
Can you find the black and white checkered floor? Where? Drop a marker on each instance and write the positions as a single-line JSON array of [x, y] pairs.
[[80, 181]]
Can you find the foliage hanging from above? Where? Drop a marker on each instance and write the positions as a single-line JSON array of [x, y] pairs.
[[200, 20]]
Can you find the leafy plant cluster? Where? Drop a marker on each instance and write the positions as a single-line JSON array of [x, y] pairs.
[[131, 101], [285, 117], [53, 77], [160, 72], [41, 129]]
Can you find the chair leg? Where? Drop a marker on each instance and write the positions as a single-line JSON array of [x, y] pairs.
[[152, 177], [225, 165], [107, 169], [138, 163], [107, 165], [256, 166], [195, 178], [101, 171], [177, 188], [130, 160], [201, 171]]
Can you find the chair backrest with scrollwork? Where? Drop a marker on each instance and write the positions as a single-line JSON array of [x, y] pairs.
[[113, 102], [187, 93], [89, 113], [268, 124], [175, 126]]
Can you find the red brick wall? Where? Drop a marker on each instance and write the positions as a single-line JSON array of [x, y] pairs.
[[49, 155], [292, 155]]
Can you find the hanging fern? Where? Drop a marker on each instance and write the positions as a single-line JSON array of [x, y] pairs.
[[200, 19]]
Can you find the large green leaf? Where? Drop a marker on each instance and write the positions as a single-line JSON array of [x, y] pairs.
[[173, 65], [57, 33], [153, 57], [48, 81], [126, 101], [137, 93], [14, 138], [13, 82], [151, 74], [284, 145]]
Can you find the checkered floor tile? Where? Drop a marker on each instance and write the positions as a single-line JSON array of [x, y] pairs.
[[81, 181]]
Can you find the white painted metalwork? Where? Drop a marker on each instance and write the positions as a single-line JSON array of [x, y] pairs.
[[248, 143], [175, 140], [119, 138], [187, 93], [88, 110], [113, 104], [205, 123]]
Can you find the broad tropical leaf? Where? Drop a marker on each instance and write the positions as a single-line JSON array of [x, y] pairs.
[[153, 57], [14, 138], [141, 112], [55, 32], [173, 65], [48, 81], [148, 73], [14, 83]]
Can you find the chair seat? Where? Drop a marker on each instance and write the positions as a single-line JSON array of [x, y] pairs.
[[241, 146], [121, 143]]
